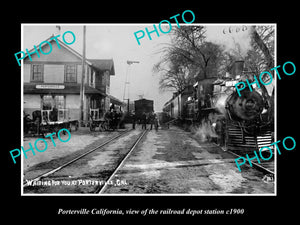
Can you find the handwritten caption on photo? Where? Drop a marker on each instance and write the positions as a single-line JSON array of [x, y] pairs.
[[78, 182]]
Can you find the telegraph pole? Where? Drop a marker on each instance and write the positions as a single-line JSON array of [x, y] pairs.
[[82, 79], [129, 62]]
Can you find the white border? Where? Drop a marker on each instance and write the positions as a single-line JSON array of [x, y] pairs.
[[149, 24]]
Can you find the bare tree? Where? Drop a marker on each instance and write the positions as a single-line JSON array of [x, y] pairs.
[[263, 43], [188, 58], [174, 71], [261, 57]]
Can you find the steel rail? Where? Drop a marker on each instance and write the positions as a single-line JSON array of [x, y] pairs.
[[101, 189], [255, 165], [77, 158]]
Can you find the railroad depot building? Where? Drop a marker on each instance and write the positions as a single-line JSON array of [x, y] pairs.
[[54, 81]]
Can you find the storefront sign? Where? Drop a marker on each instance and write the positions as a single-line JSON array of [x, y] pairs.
[[49, 86]]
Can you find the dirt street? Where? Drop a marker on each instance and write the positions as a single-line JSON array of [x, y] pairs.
[[42, 162], [168, 161], [85, 175], [172, 162]]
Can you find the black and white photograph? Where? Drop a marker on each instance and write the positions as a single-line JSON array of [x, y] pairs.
[[176, 109], [151, 112]]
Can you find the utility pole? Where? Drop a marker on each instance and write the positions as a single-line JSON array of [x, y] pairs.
[[82, 79], [129, 62]]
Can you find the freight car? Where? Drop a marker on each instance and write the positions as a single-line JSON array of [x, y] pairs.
[[141, 106], [176, 107]]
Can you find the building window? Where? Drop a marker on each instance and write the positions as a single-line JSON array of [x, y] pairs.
[[92, 78], [107, 78], [49, 102], [59, 101], [37, 73], [70, 73], [102, 79], [53, 108]]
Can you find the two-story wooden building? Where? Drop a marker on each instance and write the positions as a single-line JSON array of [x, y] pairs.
[[54, 80]]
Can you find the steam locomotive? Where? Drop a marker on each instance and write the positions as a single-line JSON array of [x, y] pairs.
[[241, 123]]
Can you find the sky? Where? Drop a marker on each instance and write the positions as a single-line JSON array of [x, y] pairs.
[[117, 42]]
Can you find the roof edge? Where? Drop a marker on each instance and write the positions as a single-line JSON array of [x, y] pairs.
[[60, 44]]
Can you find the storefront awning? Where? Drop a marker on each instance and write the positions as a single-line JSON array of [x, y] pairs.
[[115, 101]]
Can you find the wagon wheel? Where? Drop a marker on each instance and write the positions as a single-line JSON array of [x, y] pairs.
[[104, 126], [101, 128], [97, 125], [55, 130], [41, 131], [76, 126], [92, 127]]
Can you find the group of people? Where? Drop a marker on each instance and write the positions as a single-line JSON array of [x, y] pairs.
[[151, 119], [115, 118]]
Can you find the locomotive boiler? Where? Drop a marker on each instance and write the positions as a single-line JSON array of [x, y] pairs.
[[241, 123], [244, 123]]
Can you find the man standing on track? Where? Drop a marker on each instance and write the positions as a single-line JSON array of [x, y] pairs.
[[133, 120], [155, 120], [144, 121], [151, 119]]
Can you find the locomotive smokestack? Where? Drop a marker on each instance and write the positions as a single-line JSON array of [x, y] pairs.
[[238, 68]]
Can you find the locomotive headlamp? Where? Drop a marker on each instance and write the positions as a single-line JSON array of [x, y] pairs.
[[246, 107], [250, 104]]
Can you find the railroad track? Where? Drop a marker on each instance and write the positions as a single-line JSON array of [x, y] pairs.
[[44, 175], [260, 167], [101, 188]]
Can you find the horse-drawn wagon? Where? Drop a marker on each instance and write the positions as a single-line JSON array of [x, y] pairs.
[[48, 121]]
